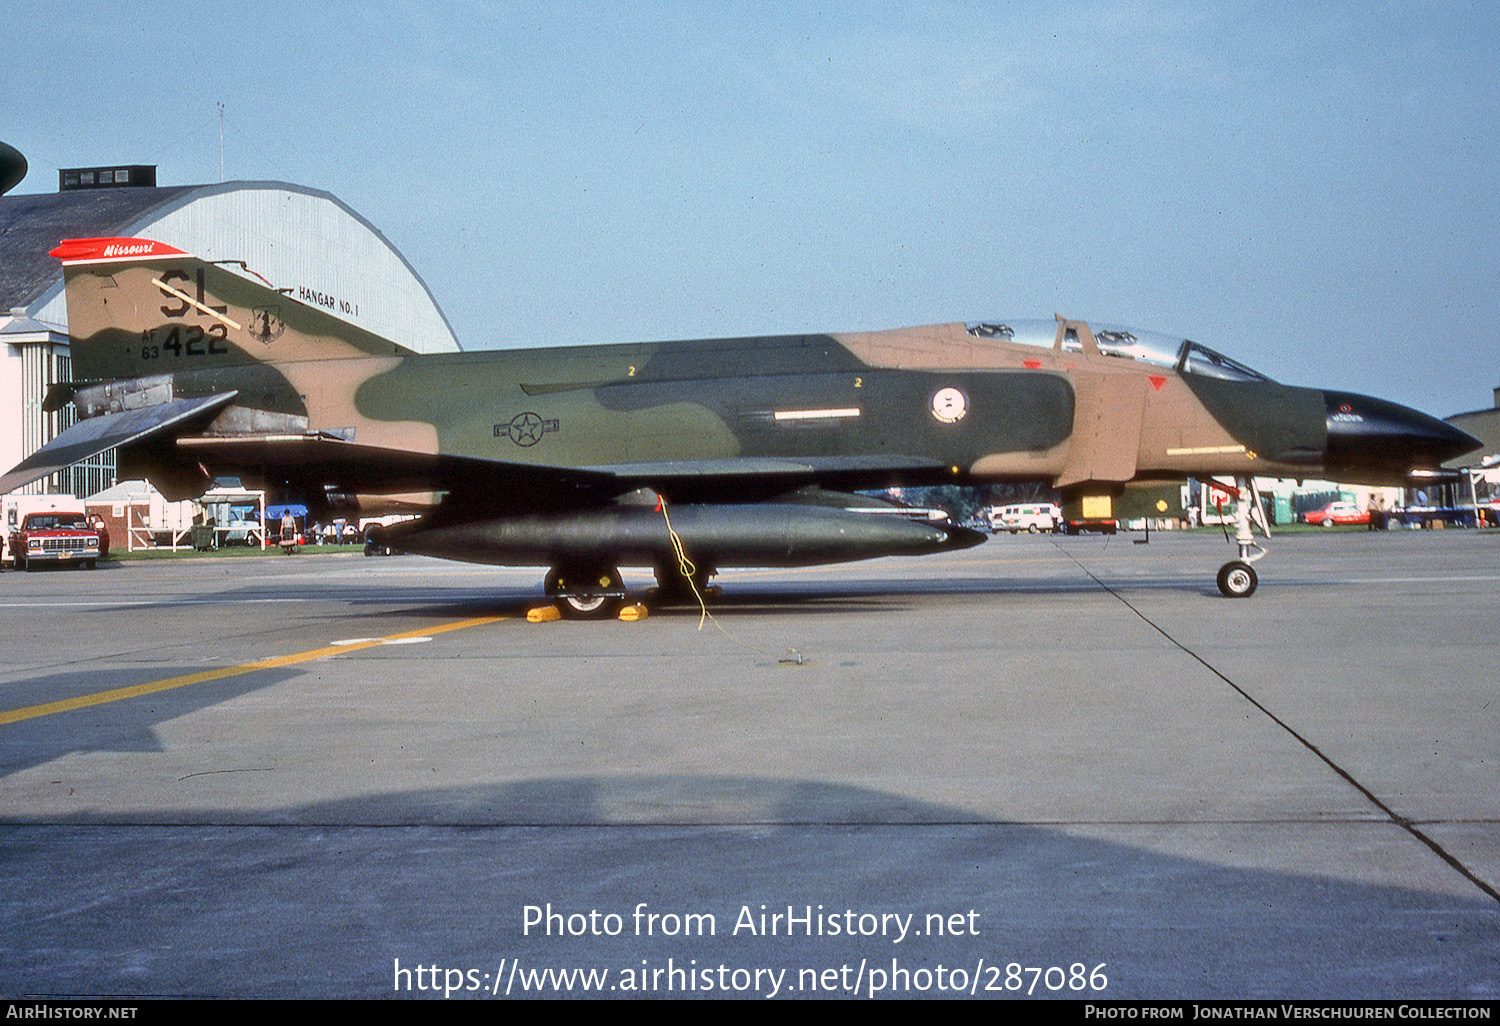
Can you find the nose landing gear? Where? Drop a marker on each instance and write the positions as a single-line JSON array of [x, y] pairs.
[[1237, 578]]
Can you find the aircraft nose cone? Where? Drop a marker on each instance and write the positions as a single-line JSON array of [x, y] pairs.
[[1372, 438]]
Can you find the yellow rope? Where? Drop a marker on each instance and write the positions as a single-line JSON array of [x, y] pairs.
[[688, 569], [684, 564]]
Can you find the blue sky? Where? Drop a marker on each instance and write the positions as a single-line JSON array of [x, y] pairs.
[[1311, 188]]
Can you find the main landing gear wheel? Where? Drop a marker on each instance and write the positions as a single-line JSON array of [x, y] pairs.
[[673, 589], [1237, 579], [585, 593]]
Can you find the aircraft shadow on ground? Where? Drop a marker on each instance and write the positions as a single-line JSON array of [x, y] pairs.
[[127, 725], [445, 875], [824, 597]]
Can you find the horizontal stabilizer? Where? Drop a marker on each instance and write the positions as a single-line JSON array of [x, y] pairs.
[[95, 435]]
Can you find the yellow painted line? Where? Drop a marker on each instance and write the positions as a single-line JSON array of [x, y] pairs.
[[31, 712]]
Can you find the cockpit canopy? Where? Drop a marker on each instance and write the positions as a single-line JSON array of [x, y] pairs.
[[1182, 355]]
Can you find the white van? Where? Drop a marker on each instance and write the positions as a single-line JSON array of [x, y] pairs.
[[1031, 517]]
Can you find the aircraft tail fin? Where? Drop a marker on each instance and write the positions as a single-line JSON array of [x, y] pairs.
[[137, 308]]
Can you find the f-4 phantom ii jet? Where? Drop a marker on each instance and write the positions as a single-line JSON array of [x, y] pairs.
[[682, 456]]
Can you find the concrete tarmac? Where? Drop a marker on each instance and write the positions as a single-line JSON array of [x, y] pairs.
[[1042, 767]]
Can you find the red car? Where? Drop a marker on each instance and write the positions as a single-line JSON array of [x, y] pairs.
[[1337, 513]]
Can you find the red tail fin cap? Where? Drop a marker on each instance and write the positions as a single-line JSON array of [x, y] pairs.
[[74, 251]]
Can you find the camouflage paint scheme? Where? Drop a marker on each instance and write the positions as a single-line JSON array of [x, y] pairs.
[[262, 384]]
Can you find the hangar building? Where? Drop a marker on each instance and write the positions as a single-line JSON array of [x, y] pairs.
[[1483, 425], [300, 239]]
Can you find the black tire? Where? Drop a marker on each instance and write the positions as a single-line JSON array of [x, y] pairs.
[[1237, 579], [672, 589], [598, 598], [589, 607]]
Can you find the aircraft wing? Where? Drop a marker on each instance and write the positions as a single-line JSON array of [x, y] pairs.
[[760, 466], [326, 460], [336, 462], [95, 435], [753, 478], [354, 467]]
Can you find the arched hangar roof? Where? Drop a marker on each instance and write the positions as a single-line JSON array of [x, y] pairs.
[[301, 239]]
